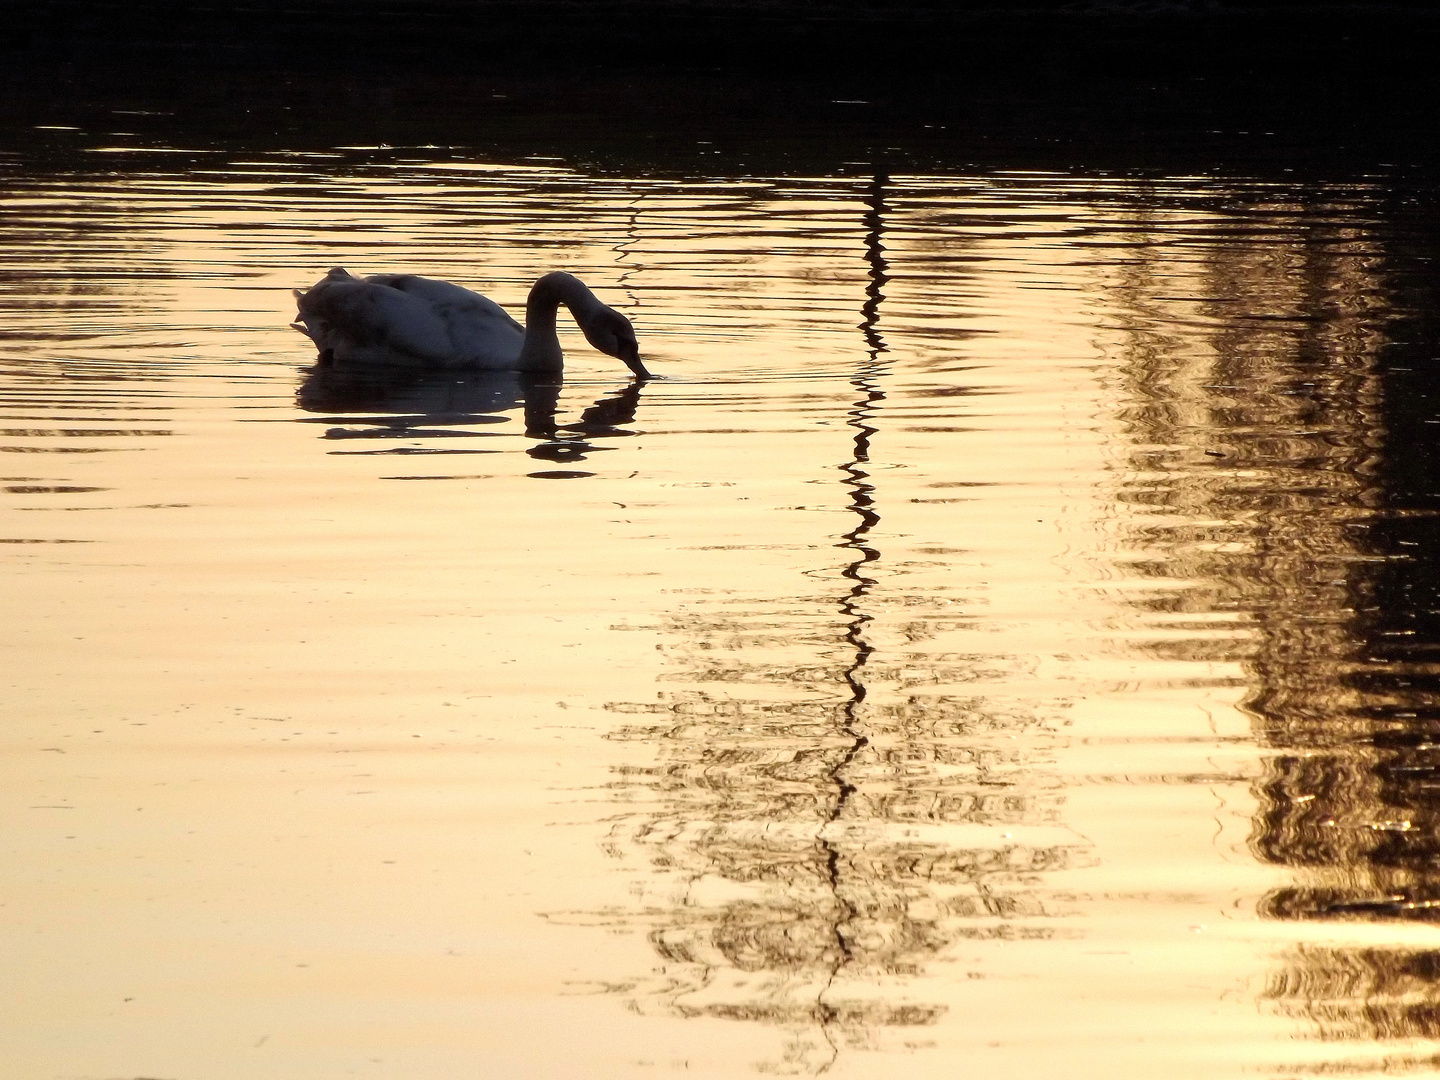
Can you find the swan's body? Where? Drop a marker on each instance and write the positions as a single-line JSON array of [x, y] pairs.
[[421, 322]]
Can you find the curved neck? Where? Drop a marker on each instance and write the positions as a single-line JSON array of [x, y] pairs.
[[540, 351]]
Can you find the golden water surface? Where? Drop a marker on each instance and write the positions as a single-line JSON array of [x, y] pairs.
[[957, 663]]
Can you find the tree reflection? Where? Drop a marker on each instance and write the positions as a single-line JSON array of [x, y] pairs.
[[1311, 524], [803, 877], [1362, 994], [811, 847]]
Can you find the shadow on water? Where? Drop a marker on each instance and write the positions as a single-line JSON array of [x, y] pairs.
[[394, 404]]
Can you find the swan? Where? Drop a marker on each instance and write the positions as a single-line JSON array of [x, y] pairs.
[[422, 322]]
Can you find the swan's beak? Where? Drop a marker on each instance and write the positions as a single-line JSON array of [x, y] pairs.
[[630, 353]]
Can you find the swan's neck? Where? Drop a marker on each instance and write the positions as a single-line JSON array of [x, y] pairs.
[[540, 351]]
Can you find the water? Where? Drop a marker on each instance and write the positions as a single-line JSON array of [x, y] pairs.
[[1002, 640]]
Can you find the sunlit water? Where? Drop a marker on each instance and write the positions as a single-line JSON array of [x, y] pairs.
[[978, 655]]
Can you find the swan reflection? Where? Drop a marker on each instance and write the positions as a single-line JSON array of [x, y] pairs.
[[406, 405]]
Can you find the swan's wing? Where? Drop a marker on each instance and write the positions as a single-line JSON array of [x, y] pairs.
[[481, 334], [367, 320], [447, 299]]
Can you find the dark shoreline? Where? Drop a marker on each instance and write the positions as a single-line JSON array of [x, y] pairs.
[[1266, 89], [504, 36]]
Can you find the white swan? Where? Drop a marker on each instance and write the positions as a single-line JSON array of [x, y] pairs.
[[421, 322]]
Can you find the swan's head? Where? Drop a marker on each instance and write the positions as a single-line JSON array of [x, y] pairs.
[[612, 334]]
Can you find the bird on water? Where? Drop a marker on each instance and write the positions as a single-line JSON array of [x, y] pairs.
[[403, 319]]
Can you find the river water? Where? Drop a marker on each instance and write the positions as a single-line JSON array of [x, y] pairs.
[[1002, 641]]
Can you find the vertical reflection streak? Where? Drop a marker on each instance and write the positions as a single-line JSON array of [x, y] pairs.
[[624, 248], [861, 418]]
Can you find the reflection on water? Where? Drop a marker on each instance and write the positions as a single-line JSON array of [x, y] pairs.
[[1004, 641], [414, 404], [1364, 995], [809, 885], [1287, 533]]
